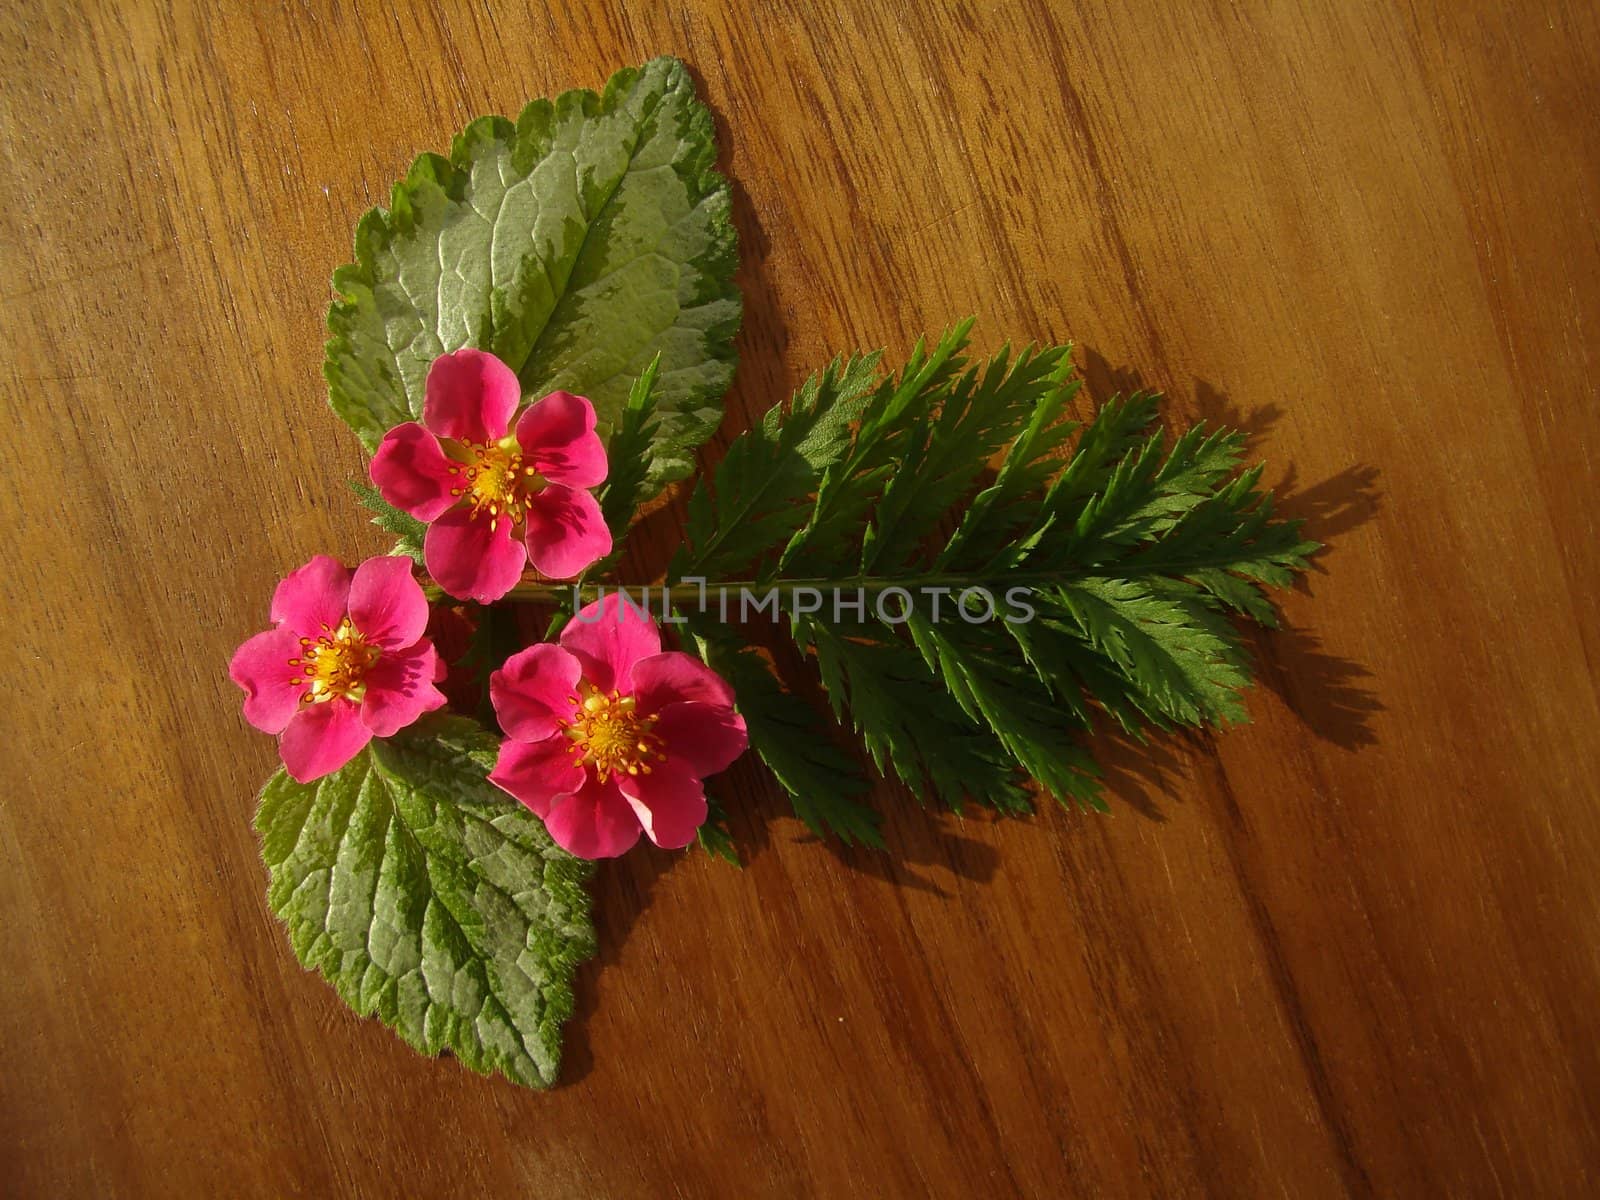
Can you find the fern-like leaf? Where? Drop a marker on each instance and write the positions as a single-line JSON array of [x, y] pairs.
[[1108, 559]]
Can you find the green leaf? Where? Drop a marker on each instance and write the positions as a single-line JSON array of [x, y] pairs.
[[949, 447], [995, 690], [408, 531], [630, 452], [910, 725], [792, 739], [577, 244], [1000, 512], [852, 486], [495, 638], [713, 835], [431, 900], [764, 484], [1127, 547], [1186, 663], [629, 456]]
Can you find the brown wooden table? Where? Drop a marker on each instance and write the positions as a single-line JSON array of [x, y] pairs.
[[1348, 949]]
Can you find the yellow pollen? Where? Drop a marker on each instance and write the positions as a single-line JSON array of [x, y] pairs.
[[608, 735], [334, 664], [493, 479]]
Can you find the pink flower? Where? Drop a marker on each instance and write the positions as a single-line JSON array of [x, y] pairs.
[[608, 736], [346, 662], [474, 482]]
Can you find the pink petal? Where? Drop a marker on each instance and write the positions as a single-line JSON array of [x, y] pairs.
[[565, 531], [272, 688], [608, 637], [412, 472], [386, 602], [707, 737], [557, 436], [663, 679], [322, 738], [312, 600], [470, 560], [538, 773], [669, 802], [470, 397], [593, 822], [400, 688], [534, 694]]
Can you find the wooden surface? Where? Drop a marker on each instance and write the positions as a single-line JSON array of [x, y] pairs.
[[1348, 949]]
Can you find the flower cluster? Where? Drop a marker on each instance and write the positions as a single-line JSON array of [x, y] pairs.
[[607, 736]]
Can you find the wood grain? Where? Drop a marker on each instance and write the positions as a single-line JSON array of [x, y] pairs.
[[1346, 950]]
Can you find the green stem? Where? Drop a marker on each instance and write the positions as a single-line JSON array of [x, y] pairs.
[[871, 584], [535, 591]]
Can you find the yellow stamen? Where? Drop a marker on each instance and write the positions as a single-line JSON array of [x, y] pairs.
[[493, 479], [334, 664], [609, 735]]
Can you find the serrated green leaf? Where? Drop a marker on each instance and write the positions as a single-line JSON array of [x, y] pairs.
[[431, 900], [764, 484], [945, 451], [1188, 665], [1128, 547], [629, 455], [577, 244], [495, 638], [630, 452], [794, 741], [996, 691], [713, 835], [852, 485], [409, 532]]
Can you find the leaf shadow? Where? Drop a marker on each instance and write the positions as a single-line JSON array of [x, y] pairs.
[[620, 891], [1330, 694], [1140, 774], [918, 844]]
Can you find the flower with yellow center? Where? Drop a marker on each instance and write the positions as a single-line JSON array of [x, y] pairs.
[[347, 660], [499, 484], [609, 737], [608, 734]]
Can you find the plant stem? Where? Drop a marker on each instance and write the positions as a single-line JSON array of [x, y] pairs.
[[534, 591]]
